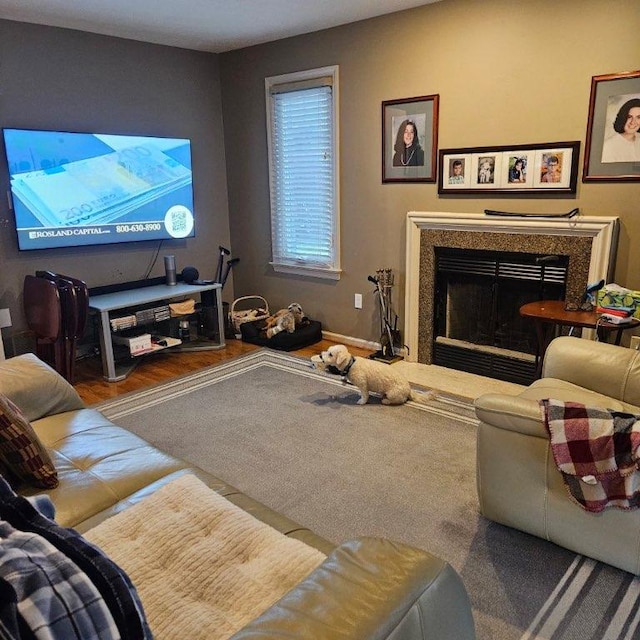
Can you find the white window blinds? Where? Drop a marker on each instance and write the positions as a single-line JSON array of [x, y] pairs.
[[303, 174]]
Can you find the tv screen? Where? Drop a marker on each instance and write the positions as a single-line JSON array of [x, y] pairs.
[[72, 189]]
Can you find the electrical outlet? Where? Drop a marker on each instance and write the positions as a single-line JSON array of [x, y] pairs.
[[635, 343], [357, 301]]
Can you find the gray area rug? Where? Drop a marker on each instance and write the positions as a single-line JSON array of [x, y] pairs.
[[296, 440]]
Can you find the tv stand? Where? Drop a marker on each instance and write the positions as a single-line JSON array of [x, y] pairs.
[[104, 304]]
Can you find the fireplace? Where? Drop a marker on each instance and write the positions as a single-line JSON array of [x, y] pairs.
[[585, 245], [477, 327]]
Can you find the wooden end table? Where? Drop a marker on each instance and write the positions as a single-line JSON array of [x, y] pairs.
[[550, 314]]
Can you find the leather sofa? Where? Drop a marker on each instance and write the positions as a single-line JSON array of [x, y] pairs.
[[518, 482], [366, 588]]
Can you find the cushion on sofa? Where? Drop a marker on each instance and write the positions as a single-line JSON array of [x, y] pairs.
[[203, 566], [36, 387], [21, 451]]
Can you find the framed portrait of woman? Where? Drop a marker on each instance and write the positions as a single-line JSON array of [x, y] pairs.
[[613, 129], [410, 139]]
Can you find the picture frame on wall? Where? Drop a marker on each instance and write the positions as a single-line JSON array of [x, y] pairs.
[[410, 139], [527, 168], [612, 152]]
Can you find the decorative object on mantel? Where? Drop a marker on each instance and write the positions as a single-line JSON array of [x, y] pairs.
[[612, 150], [569, 214], [516, 169], [410, 139]]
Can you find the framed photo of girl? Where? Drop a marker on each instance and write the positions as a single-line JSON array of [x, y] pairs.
[[410, 139], [612, 151]]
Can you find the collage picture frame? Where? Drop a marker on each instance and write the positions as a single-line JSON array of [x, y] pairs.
[[528, 168]]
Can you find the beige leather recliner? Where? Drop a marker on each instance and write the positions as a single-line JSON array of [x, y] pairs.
[[518, 482]]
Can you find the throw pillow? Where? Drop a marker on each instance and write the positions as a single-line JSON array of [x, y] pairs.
[[21, 450]]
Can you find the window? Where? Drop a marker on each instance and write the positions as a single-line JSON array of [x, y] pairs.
[[303, 172]]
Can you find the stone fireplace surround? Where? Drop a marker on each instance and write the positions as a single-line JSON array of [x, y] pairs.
[[589, 241]]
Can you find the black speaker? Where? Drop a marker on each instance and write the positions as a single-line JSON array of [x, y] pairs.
[[189, 274], [170, 269]]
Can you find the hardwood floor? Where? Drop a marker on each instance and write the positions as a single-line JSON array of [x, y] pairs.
[[164, 366]]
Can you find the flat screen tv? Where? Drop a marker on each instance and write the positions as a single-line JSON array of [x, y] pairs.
[[73, 189]]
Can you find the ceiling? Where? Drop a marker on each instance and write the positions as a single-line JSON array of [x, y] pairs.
[[205, 25]]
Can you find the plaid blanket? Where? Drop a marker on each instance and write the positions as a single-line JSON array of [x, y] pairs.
[[596, 450], [56, 585]]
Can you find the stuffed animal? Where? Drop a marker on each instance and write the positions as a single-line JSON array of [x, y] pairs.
[[284, 320], [249, 314]]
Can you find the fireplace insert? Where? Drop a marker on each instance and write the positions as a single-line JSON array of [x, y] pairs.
[[478, 294]]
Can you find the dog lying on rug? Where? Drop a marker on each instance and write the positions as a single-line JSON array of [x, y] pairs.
[[369, 376], [288, 319]]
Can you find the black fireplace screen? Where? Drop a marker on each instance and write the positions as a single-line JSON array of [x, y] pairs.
[[478, 294]]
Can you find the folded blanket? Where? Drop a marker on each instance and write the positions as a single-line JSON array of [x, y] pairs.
[[203, 567], [596, 450]]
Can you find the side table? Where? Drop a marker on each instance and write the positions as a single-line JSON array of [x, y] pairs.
[[550, 314], [210, 295]]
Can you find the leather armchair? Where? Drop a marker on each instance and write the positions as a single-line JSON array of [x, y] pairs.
[[517, 479]]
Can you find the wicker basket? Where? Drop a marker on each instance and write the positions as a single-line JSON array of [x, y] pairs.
[[247, 309]]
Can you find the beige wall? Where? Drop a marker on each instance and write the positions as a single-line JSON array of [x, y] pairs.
[[507, 73]]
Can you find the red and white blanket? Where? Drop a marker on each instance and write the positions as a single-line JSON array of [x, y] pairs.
[[596, 450]]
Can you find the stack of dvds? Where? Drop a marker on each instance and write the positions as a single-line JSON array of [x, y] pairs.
[[124, 322], [162, 313]]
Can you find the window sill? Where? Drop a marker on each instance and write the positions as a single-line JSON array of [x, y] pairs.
[[303, 270]]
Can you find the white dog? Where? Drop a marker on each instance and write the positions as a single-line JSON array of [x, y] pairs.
[[369, 376]]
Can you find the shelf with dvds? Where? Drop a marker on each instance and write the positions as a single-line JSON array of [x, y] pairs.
[[143, 313]]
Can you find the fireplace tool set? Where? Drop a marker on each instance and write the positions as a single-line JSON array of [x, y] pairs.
[[389, 333]]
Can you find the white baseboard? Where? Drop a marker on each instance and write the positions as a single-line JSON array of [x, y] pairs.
[[359, 342], [356, 342]]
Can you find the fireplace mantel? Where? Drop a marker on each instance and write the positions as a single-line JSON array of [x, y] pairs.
[[603, 232]]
